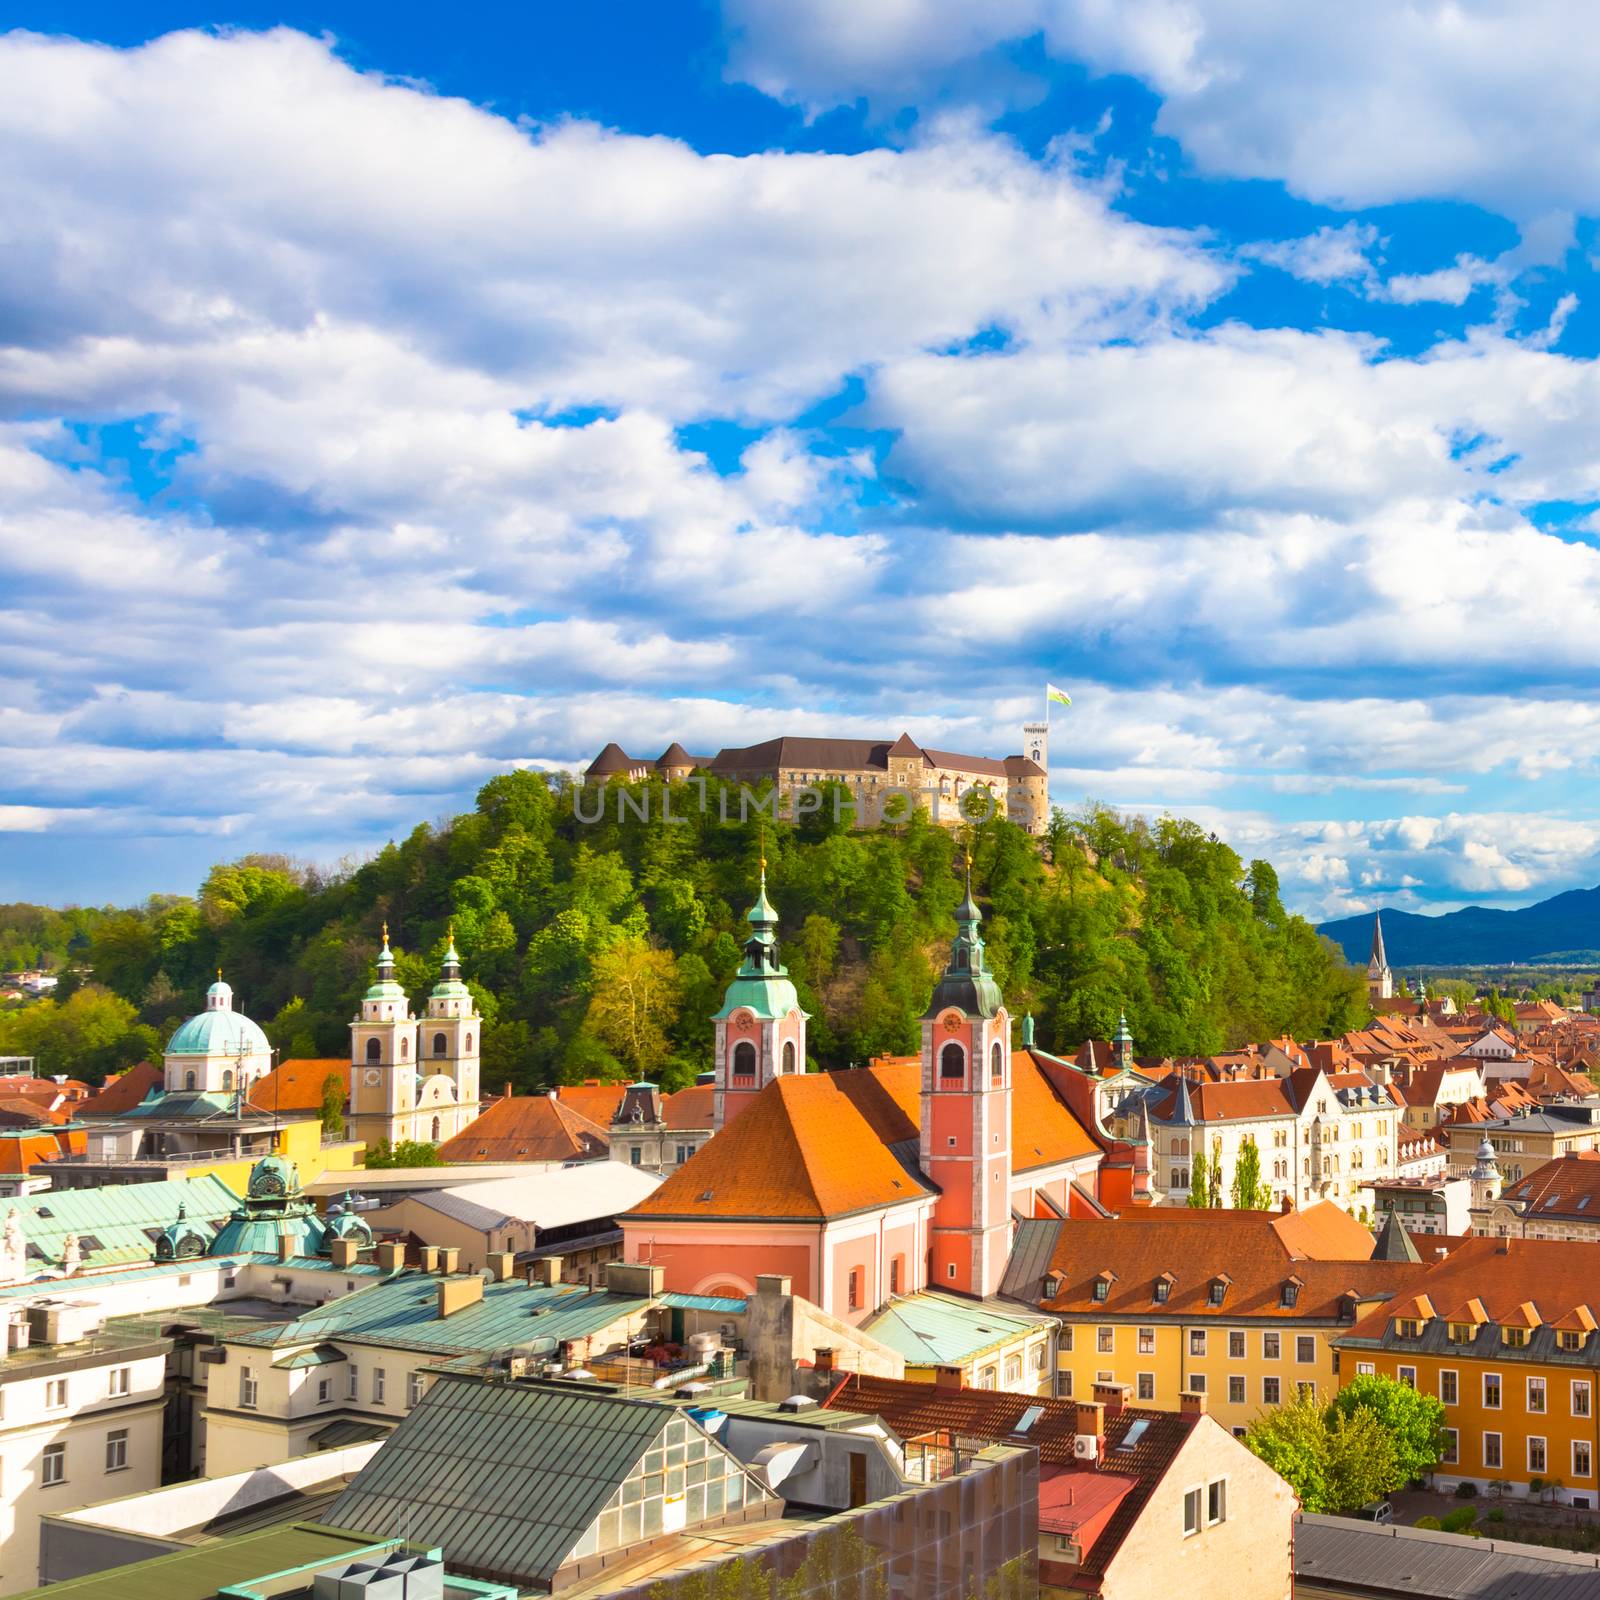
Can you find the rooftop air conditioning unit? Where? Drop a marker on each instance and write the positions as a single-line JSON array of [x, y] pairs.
[[1086, 1446]]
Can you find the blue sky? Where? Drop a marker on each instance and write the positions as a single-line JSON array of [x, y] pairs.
[[391, 395]]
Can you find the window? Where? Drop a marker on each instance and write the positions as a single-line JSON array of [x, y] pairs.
[[894, 1275], [1147, 1386], [1216, 1502], [1102, 1287], [1197, 1383], [1271, 1346], [1217, 1291], [1536, 1394], [1191, 1512], [248, 1389], [53, 1465], [1040, 1352], [466, 1043], [374, 1050], [378, 1380], [414, 1389], [1449, 1387], [1236, 1389], [438, 1044], [188, 1080], [324, 1391], [1580, 1397], [684, 1152], [1013, 1370], [55, 1394], [1537, 1459], [1491, 1390], [1289, 1294], [405, 1049], [1163, 1289], [117, 1450], [1197, 1341], [744, 1059], [1147, 1341], [1364, 1369], [1452, 1447], [1065, 1336], [119, 1381], [1305, 1349], [989, 1378], [352, 1382], [1569, 1340], [1271, 1391], [1305, 1389], [227, 1082], [853, 1289], [635, 1155], [1582, 1460], [1064, 1385], [1515, 1337], [1407, 1376], [952, 1061], [950, 1270], [1236, 1344], [1491, 1450], [995, 1069], [1103, 1338], [788, 1055]]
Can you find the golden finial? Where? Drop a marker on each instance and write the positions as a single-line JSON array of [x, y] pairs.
[[450, 930], [219, 974]]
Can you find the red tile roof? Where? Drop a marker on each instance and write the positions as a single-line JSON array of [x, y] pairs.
[[296, 1084], [689, 1110], [1555, 1190], [592, 1099], [528, 1128], [123, 1093]]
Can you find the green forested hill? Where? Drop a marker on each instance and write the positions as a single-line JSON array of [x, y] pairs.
[[602, 948]]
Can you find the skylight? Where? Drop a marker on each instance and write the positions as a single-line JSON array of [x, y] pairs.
[[1135, 1433], [1029, 1417]]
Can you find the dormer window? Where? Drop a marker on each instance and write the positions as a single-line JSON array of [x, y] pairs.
[[1163, 1289], [1570, 1340], [1102, 1285], [1461, 1332], [1516, 1338], [1218, 1291], [1408, 1327], [1289, 1294]]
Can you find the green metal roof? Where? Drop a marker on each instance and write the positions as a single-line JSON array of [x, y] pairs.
[[222, 1032], [403, 1312], [197, 1574], [934, 1329], [114, 1223], [319, 1355], [726, 1304], [504, 1477]]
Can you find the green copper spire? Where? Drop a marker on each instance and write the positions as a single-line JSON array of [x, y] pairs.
[[385, 988], [967, 982], [762, 982], [450, 983]]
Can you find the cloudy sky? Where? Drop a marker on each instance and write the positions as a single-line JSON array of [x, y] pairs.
[[390, 395]]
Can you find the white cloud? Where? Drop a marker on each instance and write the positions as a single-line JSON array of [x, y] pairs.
[[1330, 255]]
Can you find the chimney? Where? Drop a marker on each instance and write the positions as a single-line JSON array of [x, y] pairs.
[[343, 1252], [638, 1277], [286, 1247], [391, 1256], [450, 1259], [948, 1378], [822, 1361], [1191, 1404], [547, 1270], [502, 1264], [1089, 1441], [507, 1093], [770, 1284], [428, 1257], [455, 1294], [1112, 1397], [1288, 1204]]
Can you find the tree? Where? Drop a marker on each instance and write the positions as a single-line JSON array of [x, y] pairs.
[[1199, 1184], [407, 1153], [634, 1001], [1333, 1462], [1214, 1175], [1249, 1192], [1413, 1421], [332, 1110]]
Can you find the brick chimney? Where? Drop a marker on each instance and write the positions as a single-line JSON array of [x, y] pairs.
[[428, 1257], [1090, 1440], [391, 1256], [343, 1252], [501, 1264], [546, 1270], [948, 1378], [1192, 1403], [1111, 1397], [450, 1258]]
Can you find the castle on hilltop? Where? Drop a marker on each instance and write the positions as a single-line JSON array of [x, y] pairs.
[[874, 770]]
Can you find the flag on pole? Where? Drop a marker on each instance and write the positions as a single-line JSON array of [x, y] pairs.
[[1060, 696]]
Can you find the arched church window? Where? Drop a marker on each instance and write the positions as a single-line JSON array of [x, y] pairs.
[[961, 958], [744, 1059], [788, 1055], [374, 1050], [188, 1080], [466, 1044], [995, 1062], [438, 1044], [227, 1081], [438, 1128], [952, 1061], [405, 1049]]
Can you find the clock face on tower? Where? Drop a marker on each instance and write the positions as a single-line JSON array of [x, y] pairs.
[[952, 1023], [374, 1077]]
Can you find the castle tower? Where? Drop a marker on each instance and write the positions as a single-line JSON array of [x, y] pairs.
[[383, 1070], [966, 1115], [449, 1037], [760, 1030], [1380, 980], [1485, 1178]]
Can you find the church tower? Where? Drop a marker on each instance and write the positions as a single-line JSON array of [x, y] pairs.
[[450, 1035], [760, 1030], [1380, 981], [966, 1115], [382, 1071]]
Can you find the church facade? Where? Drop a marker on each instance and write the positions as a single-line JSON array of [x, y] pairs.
[[414, 1077]]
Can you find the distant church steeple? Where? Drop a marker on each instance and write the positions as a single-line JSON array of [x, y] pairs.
[[1380, 980]]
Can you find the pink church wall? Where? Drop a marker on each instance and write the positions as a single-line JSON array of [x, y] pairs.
[[698, 1259]]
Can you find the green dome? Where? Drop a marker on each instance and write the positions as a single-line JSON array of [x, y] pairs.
[[345, 1222], [218, 1033], [273, 1210], [273, 1177], [182, 1238]]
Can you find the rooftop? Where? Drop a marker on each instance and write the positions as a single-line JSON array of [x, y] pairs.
[[551, 1198], [948, 1330], [533, 1127]]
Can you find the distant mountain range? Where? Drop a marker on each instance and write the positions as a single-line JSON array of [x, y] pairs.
[[1567, 926]]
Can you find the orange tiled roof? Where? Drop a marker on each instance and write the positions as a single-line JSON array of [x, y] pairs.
[[1195, 1247], [593, 1099], [689, 1108], [1044, 1131], [123, 1093], [1556, 1188], [296, 1084], [802, 1150], [533, 1127], [19, 1154], [1505, 1277]]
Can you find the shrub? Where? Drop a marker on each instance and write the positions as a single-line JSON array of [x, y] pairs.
[[1458, 1520], [1429, 1522], [1497, 1515], [1466, 1491]]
